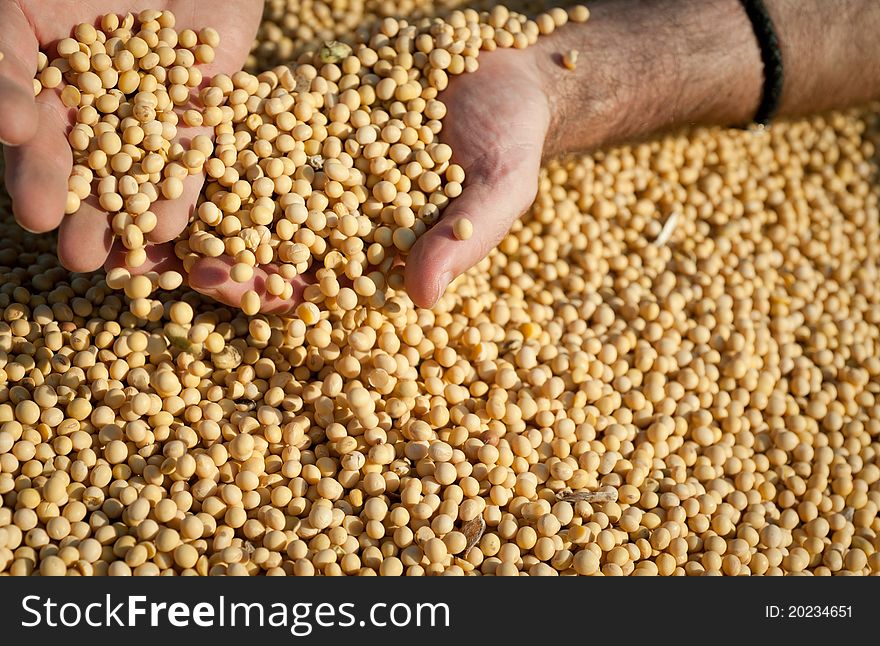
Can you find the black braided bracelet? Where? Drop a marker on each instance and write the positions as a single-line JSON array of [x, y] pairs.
[[771, 55]]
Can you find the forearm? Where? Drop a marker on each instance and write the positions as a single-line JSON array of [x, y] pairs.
[[646, 66], [831, 53]]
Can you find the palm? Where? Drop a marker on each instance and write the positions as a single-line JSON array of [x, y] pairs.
[[497, 119], [39, 165], [496, 123]]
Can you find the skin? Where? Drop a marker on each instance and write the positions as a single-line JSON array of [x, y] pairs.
[[688, 62], [499, 143], [38, 157]]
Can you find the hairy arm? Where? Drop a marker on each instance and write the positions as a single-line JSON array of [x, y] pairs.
[[651, 65], [644, 66], [831, 53]]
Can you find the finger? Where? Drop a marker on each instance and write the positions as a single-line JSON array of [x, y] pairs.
[[172, 216], [237, 25], [211, 277], [17, 69], [85, 238], [160, 258], [438, 256], [37, 171]]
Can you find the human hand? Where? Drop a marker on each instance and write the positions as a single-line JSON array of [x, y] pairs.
[[497, 122], [645, 68], [34, 131], [523, 106]]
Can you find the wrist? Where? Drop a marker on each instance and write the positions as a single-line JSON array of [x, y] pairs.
[[588, 105], [646, 67]]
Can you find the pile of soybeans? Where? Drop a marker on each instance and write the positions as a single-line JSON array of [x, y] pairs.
[[669, 366]]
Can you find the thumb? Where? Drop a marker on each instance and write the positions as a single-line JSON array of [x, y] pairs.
[[492, 205]]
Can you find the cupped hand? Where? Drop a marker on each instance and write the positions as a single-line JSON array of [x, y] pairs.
[[497, 121], [34, 130]]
